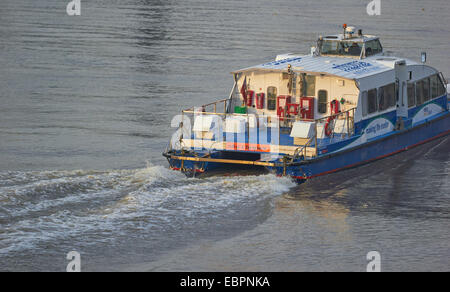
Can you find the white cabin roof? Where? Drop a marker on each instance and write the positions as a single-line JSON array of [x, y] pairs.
[[348, 68], [340, 37]]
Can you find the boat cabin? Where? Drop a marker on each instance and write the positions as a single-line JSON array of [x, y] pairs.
[[344, 73]]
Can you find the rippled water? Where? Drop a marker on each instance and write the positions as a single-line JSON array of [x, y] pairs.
[[85, 111]]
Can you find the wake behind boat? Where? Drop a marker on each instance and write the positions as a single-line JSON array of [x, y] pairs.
[[343, 105]]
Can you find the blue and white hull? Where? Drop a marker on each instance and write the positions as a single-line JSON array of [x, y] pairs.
[[377, 139], [370, 151]]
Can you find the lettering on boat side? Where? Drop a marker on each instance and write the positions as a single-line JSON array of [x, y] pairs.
[[356, 67], [225, 282], [377, 128], [281, 62], [426, 112]]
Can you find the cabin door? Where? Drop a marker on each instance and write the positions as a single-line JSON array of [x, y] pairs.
[[324, 97], [401, 75]]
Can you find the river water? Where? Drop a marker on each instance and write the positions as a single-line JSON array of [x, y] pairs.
[[85, 110]]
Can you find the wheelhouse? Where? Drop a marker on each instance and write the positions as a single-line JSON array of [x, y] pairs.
[[361, 47]]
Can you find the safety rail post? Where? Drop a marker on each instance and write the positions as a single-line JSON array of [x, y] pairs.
[[315, 138], [348, 124], [353, 121]]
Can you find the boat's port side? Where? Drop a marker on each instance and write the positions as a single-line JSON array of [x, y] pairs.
[[308, 115], [367, 152], [234, 141]]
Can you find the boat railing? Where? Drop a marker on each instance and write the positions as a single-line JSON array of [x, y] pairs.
[[340, 125], [302, 150], [210, 108], [348, 116]]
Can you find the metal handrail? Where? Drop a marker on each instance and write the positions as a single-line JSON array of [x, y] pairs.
[[192, 111], [349, 115], [224, 101], [302, 148]]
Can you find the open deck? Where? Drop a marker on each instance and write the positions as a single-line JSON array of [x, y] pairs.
[[211, 127]]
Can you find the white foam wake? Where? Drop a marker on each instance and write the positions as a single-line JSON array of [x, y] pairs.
[[51, 206]]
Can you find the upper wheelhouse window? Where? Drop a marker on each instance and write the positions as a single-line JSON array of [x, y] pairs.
[[351, 47], [342, 48], [330, 48], [373, 47], [271, 98]]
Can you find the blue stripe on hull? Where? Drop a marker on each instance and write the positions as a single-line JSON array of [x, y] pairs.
[[371, 151]]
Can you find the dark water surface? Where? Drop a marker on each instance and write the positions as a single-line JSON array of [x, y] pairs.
[[85, 110]]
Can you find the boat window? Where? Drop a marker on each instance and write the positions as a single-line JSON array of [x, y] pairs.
[[310, 85], [411, 95], [426, 89], [419, 92], [330, 48], [346, 48], [323, 101], [434, 83], [352, 49], [437, 86], [372, 101], [373, 47], [364, 105], [442, 88], [386, 97], [271, 98], [392, 94]]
